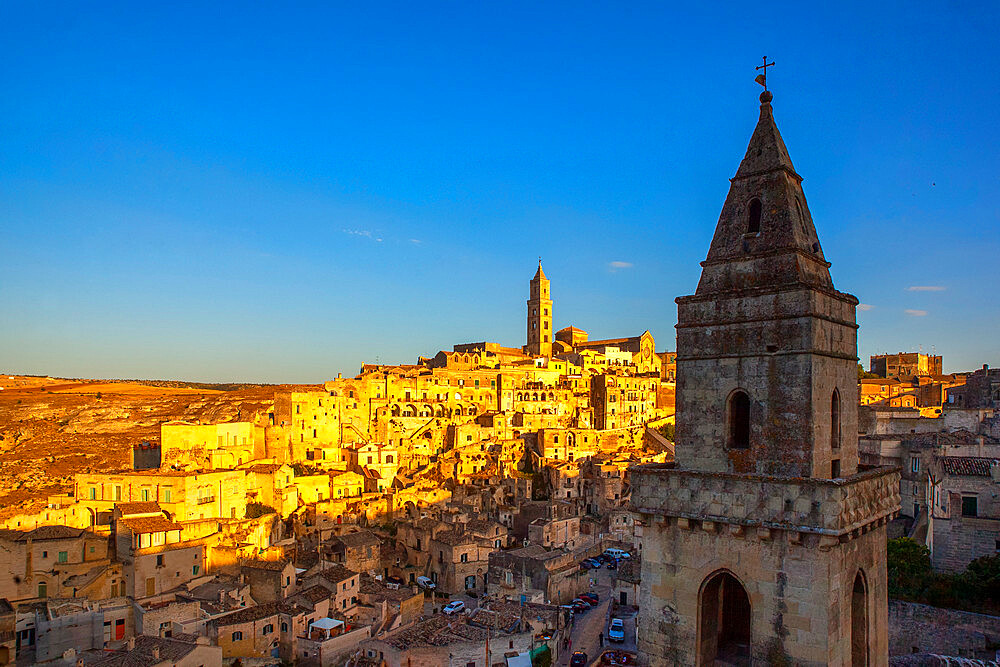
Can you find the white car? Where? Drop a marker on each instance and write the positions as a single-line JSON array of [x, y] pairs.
[[616, 630], [426, 583], [456, 607]]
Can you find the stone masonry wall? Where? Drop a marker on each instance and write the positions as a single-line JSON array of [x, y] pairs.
[[919, 628], [807, 505]]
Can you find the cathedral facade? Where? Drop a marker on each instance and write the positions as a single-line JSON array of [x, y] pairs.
[[764, 543]]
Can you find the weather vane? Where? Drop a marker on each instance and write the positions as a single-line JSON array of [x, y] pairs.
[[762, 78]]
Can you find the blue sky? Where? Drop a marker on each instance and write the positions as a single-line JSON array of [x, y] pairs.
[[276, 193]]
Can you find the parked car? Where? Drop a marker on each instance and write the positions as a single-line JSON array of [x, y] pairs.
[[579, 659], [590, 597], [454, 607], [426, 583], [616, 630], [612, 565], [594, 562], [579, 605], [616, 554]]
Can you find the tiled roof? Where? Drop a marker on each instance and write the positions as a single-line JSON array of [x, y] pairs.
[[170, 651], [256, 613], [51, 533], [265, 468], [337, 573], [357, 539], [972, 466], [271, 565], [128, 509], [315, 594], [152, 524]]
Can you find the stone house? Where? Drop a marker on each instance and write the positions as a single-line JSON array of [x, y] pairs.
[[555, 533], [266, 630], [458, 558], [387, 608], [981, 390], [965, 521], [55, 561], [151, 547], [543, 575], [185, 496], [210, 446], [346, 484], [343, 584], [82, 625], [358, 551], [272, 484], [269, 580]]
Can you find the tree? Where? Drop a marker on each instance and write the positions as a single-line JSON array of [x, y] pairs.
[[909, 564], [981, 581], [255, 510], [863, 374], [667, 431]]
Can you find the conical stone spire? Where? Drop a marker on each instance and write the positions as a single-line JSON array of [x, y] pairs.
[[765, 235]]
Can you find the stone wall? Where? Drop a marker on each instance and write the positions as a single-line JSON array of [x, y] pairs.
[[821, 506], [799, 591], [960, 540], [919, 628]]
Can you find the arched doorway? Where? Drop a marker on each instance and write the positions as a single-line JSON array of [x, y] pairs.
[[723, 621], [859, 622]]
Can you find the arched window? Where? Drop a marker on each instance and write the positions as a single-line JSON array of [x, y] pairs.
[[388, 459], [739, 420], [753, 216], [859, 622], [835, 420], [43, 589]]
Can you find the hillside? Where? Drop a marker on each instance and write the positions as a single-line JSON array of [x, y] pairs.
[[52, 428]]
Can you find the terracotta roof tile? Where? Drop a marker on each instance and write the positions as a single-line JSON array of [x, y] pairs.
[[970, 466]]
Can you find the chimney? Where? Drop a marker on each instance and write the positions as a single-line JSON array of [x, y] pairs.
[[131, 643], [155, 652]]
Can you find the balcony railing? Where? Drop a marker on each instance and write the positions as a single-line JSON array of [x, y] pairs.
[[206, 500]]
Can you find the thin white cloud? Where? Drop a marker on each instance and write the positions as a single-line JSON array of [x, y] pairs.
[[416, 241], [620, 265], [925, 288], [364, 233], [865, 306], [915, 313]]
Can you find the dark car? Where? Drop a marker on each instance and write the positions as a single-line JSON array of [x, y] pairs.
[[579, 659], [612, 565], [579, 605], [590, 596]]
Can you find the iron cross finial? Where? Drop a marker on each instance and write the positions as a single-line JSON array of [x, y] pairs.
[[762, 78]]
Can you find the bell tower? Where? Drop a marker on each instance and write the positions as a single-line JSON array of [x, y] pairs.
[[765, 543], [766, 346], [539, 315]]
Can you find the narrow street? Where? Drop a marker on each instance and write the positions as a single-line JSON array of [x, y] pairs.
[[588, 626]]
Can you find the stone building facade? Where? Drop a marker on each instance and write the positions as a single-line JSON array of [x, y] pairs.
[[764, 543]]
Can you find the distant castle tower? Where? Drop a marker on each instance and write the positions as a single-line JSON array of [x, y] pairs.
[[539, 316], [764, 543]]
